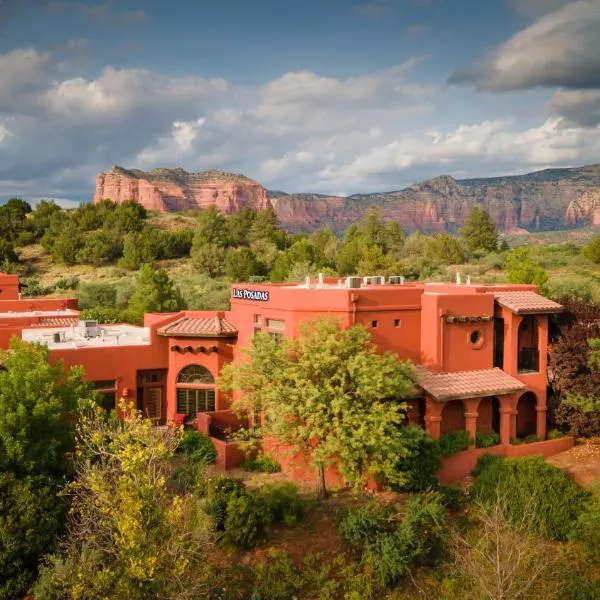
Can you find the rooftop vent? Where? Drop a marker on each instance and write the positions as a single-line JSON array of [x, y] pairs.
[[353, 282], [375, 280], [88, 329], [396, 279]]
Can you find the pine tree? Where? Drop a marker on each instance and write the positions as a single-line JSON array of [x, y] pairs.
[[479, 231]]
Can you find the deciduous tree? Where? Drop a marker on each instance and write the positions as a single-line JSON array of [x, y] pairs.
[[329, 395]]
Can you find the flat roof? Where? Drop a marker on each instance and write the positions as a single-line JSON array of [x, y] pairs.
[[111, 336], [66, 312]]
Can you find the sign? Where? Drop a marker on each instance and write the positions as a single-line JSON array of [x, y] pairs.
[[244, 294]]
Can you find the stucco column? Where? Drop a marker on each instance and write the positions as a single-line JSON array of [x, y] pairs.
[[433, 418], [541, 422], [471, 426], [506, 418]]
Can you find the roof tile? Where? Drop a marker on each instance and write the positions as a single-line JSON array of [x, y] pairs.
[[55, 322], [467, 384], [526, 303], [205, 327]]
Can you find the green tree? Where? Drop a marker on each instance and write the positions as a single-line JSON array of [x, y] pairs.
[[326, 241], [154, 292], [239, 224], [208, 258], [592, 250], [66, 245], [129, 536], [38, 401], [209, 247], [520, 268], [479, 231], [330, 395], [7, 252], [13, 217], [140, 247], [100, 248], [127, 216], [266, 227], [241, 264]]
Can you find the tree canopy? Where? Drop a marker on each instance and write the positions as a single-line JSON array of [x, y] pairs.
[[329, 395], [479, 231]]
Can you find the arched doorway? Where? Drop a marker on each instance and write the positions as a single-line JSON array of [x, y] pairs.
[[488, 420], [529, 355], [453, 416], [526, 415]]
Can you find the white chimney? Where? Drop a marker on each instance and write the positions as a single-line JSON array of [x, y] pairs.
[[401, 279], [468, 280], [307, 281], [320, 280], [458, 278]]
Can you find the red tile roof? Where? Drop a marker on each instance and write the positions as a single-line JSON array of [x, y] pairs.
[[56, 322], [523, 303], [467, 384], [206, 327]]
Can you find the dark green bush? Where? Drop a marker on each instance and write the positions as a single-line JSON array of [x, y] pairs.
[[197, 447], [283, 503], [422, 463], [486, 440], [219, 492], [276, 578], [587, 529], [105, 316], [364, 523], [67, 283], [531, 483], [453, 442], [453, 498], [94, 295], [246, 521], [262, 464], [555, 434]]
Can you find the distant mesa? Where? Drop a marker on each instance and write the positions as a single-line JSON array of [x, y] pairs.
[[544, 200]]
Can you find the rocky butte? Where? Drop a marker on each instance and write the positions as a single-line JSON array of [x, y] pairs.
[[548, 199]]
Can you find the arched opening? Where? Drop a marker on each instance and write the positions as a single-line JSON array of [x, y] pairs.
[[526, 415], [195, 391], [488, 420], [453, 416], [529, 355]]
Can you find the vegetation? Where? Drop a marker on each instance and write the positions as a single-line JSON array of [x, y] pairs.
[[453, 442], [324, 394], [37, 404], [262, 463]]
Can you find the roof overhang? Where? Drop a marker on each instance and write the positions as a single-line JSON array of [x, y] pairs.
[[527, 303]]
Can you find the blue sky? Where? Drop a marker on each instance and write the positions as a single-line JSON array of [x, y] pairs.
[[329, 96]]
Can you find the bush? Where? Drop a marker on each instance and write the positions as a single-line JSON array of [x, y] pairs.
[[105, 316], [262, 464], [246, 521], [364, 523], [276, 578], [32, 288], [219, 492], [574, 420], [453, 442], [283, 503], [453, 498], [67, 283], [197, 447], [587, 529], [530, 481], [555, 434], [423, 461], [93, 295], [486, 440]]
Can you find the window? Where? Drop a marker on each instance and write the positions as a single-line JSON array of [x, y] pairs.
[[275, 324], [257, 319], [193, 400], [396, 322], [195, 374], [154, 404], [276, 336], [195, 390], [107, 390], [374, 324], [151, 377]]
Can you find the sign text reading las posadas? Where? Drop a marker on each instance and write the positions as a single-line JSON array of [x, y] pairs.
[[244, 294]]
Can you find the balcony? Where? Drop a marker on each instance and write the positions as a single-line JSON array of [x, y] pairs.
[[529, 360]]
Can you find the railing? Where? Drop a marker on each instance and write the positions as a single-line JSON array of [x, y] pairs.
[[529, 360]]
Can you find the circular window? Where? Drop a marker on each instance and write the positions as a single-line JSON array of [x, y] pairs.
[[475, 337]]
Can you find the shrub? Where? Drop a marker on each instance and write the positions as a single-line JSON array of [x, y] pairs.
[[486, 440], [283, 503], [261, 463], [530, 481], [364, 523], [34, 288], [574, 420], [453, 498], [453, 442], [197, 447], [246, 521], [422, 462], [587, 529], [219, 492], [555, 434], [67, 283], [276, 578], [92, 295]]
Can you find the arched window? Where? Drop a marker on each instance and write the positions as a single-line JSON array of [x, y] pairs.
[[195, 374], [195, 390]]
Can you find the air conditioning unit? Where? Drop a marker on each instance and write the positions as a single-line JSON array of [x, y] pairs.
[[396, 279], [375, 280], [89, 329], [353, 282]]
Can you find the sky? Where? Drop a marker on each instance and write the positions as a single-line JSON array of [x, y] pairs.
[[325, 96]]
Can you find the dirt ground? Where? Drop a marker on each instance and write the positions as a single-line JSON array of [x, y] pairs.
[[582, 462]]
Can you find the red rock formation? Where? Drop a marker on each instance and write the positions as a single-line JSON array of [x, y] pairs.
[[550, 199], [168, 190]]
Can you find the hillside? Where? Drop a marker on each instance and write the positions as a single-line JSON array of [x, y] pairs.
[[545, 200]]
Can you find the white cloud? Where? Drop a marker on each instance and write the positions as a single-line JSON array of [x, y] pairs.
[[560, 49]]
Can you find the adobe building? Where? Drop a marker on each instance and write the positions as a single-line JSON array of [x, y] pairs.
[[480, 353]]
